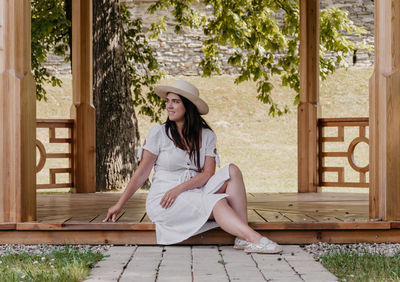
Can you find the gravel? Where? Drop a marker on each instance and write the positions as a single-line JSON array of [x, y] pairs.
[[316, 250], [320, 249], [47, 249]]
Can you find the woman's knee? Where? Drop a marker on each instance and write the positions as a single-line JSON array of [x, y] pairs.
[[234, 171]]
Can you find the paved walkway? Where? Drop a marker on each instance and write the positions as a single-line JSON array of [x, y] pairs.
[[207, 264]]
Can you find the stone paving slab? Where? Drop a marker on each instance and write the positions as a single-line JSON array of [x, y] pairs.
[[144, 264], [207, 263], [176, 264], [111, 267], [240, 266]]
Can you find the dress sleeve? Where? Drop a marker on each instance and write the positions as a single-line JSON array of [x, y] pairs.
[[152, 143], [211, 147]]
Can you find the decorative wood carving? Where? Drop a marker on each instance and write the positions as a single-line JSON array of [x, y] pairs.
[[340, 124], [52, 125]]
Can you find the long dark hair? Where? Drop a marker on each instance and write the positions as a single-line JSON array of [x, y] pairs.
[[192, 126]]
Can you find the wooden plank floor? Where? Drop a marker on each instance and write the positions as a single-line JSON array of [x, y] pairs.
[[287, 218], [262, 208]]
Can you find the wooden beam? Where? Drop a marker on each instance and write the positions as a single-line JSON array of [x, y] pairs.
[[17, 114], [66, 226], [214, 236], [385, 114], [83, 111], [309, 91], [8, 226]]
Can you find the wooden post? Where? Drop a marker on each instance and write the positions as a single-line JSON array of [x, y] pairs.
[[82, 110], [309, 90], [17, 114], [385, 114]]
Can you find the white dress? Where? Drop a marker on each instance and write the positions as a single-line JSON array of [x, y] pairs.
[[188, 215]]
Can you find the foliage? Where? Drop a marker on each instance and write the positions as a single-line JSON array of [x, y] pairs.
[[50, 32], [252, 28], [254, 31], [352, 266], [143, 67], [68, 265]]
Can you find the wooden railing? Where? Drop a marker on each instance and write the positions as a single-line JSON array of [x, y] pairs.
[[67, 153], [340, 124]]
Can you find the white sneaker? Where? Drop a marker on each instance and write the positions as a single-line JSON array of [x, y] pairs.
[[240, 244], [266, 246]]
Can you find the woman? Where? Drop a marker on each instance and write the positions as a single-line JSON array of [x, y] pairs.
[[185, 191]]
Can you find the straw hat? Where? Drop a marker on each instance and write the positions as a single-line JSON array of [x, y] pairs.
[[185, 89]]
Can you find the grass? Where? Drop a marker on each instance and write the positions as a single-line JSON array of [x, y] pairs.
[[351, 266], [68, 265], [264, 147]]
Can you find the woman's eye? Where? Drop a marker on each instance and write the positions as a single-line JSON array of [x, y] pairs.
[[173, 101]]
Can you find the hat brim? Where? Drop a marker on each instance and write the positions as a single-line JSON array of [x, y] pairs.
[[163, 90]]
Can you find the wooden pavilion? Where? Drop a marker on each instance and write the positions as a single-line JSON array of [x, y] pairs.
[[304, 217]]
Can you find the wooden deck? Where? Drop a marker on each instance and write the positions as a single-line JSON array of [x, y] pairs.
[[287, 218]]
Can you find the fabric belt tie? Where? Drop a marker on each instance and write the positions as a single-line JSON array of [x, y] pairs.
[[186, 175]]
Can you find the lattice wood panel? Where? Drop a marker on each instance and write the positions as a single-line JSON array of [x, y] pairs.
[[53, 125], [340, 124]]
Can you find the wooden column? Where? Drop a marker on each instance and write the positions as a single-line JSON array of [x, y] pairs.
[[17, 114], [82, 110], [309, 91], [385, 114]]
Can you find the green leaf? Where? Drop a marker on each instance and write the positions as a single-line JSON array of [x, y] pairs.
[[249, 27]]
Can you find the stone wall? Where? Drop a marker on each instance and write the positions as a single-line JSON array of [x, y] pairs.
[[361, 12], [181, 53]]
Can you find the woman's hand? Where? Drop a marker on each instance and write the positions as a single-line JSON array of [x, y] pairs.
[[137, 180], [113, 212], [170, 197]]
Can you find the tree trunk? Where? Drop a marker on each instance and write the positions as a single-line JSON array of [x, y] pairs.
[[116, 124]]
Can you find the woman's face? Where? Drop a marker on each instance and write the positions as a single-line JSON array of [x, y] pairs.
[[175, 108]]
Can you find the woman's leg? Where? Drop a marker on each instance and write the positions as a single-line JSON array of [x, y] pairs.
[[234, 187], [230, 222]]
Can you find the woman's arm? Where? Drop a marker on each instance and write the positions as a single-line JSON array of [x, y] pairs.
[[195, 182], [201, 178], [136, 181]]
